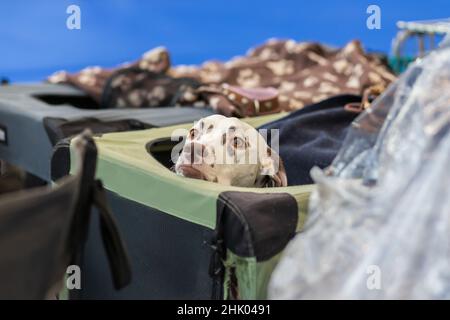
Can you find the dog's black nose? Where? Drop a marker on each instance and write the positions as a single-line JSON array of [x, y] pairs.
[[195, 152]]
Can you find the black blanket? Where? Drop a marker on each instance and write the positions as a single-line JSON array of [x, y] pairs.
[[312, 136]]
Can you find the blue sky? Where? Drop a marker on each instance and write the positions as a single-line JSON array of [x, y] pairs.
[[35, 41]]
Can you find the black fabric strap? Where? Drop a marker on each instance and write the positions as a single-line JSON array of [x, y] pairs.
[[91, 193], [119, 261]]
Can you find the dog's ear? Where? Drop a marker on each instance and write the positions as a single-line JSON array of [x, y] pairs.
[[272, 172]]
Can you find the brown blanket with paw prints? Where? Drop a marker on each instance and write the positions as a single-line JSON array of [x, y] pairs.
[[278, 75]]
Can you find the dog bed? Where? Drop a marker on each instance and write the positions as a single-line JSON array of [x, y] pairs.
[[34, 117], [187, 238]]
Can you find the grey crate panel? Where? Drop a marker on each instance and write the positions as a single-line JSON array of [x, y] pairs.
[[22, 115]]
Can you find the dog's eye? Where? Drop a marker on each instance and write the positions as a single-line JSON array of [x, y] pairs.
[[193, 133], [238, 142]]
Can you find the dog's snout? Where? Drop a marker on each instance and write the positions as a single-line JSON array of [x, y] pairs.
[[195, 152]]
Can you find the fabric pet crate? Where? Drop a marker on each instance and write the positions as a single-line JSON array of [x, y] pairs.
[[34, 117], [42, 230], [187, 238]]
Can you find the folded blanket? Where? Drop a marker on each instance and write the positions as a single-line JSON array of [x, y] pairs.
[[128, 78], [312, 136], [300, 74], [304, 73]]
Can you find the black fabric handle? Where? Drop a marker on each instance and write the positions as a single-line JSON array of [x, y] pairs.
[[118, 258]]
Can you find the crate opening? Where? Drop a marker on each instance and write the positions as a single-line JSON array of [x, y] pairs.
[[161, 150], [77, 101]]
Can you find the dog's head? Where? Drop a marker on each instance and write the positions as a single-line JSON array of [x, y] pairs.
[[230, 152]]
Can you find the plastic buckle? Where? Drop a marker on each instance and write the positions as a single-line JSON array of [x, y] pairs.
[[355, 107]]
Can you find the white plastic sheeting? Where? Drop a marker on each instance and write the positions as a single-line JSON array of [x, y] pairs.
[[379, 224]]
